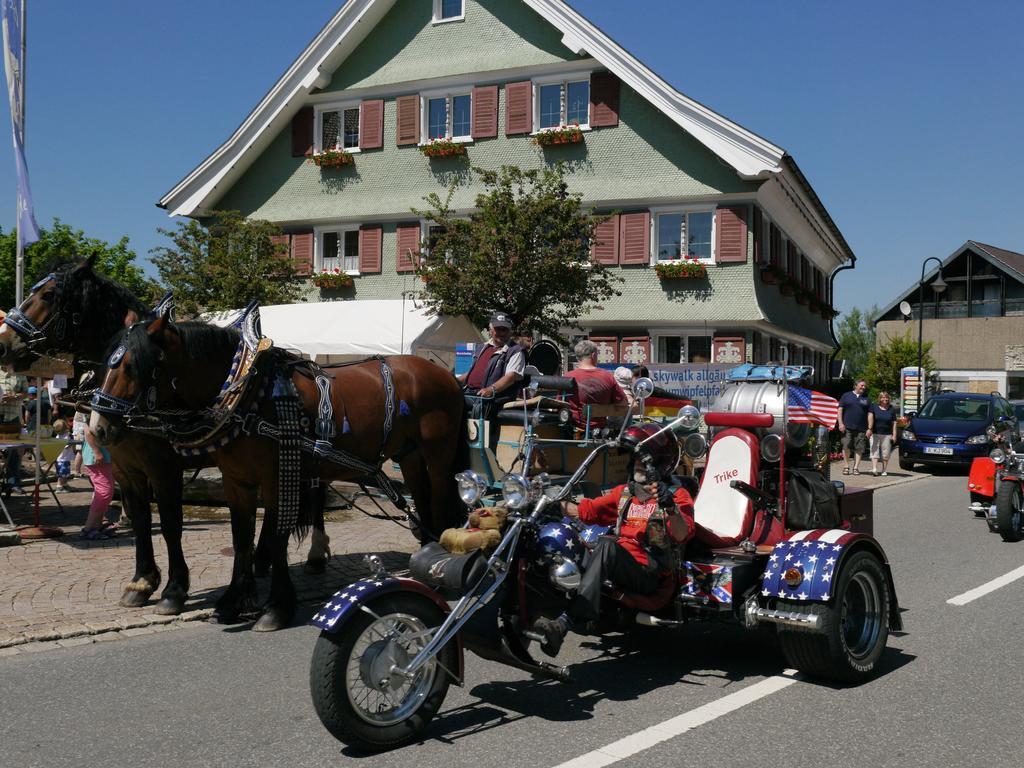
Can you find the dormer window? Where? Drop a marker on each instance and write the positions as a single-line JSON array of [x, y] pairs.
[[449, 10]]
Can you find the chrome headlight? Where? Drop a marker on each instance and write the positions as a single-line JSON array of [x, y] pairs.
[[689, 417], [565, 574], [908, 435], [998, 455], [977, 439], [471, 487], [695, 445], [515, 489], [771, 447]]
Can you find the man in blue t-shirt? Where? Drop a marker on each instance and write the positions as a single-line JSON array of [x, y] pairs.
[[853, 424]]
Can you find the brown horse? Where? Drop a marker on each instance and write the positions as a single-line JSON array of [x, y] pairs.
[[163, 367]]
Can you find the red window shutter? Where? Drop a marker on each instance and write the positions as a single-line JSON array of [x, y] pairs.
[[485, 112], [635, 238], [518, 108], [302, 132], [371, 124], [758, 228], [280, 243], [731, 235], [607, 349], [604, 247], [408, 109], [635, 350], [371, 239], [776, 237], [302, 252], [407, 258], [604, 100]]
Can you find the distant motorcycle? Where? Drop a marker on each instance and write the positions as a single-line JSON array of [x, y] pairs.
[[1006, 515]]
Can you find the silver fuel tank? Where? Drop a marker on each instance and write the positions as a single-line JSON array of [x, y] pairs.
[[760, 397]]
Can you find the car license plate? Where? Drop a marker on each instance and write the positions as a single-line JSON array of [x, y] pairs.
[[939, 451]]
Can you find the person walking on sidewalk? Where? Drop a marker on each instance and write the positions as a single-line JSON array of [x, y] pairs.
[[96, 461], [853, 425], [881, 431]]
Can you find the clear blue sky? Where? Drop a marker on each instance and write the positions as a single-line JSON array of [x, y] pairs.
[[907, 117]]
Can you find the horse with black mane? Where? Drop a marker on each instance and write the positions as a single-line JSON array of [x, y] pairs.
[[73, 310], [400, 407]]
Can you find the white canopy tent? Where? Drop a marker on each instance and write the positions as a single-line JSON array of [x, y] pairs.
[[337, 331]]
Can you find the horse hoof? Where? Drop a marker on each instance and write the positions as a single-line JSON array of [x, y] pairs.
[[271, 621], [133, 598], [170, 606], [315, 567]]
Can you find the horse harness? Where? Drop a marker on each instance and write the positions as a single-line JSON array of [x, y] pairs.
[[58, 327], [234, 412]]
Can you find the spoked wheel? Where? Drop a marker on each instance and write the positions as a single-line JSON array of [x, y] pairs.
[[853, 626], [1010, 511], [357, 693]]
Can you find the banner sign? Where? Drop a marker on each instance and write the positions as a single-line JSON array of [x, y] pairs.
[[909, 383], [699, 382]]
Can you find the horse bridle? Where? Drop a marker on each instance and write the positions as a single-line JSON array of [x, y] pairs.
[[109, 405], [36, 335]]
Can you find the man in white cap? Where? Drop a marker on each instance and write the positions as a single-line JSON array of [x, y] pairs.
[[498, 366]]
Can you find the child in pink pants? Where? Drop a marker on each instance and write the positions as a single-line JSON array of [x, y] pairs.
[[96, 462]]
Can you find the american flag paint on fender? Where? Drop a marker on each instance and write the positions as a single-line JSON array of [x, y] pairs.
[[815, 554]]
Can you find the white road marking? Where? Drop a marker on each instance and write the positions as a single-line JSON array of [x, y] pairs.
[[990, 586], [649, 737]]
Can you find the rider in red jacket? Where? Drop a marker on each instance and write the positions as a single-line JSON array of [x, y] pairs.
[[649, 516]]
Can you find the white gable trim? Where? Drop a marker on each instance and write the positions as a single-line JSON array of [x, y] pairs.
[[750, 155]]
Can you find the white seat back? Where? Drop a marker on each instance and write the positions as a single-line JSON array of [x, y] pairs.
[[722, 511]]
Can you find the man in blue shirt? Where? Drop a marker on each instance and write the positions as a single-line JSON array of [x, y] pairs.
[[853, 424]]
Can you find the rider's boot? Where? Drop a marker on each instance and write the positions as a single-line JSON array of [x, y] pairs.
[[554, 631]]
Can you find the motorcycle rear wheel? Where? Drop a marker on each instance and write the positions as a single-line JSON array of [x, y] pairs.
[[854, 625], [1010, 511], [354, 695]]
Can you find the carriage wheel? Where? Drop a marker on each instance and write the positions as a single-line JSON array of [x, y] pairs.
[[355, 694]]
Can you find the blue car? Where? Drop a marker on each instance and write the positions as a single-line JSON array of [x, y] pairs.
[[953, 428]]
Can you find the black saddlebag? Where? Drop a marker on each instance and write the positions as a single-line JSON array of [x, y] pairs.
[[811, 501], [436, 567]]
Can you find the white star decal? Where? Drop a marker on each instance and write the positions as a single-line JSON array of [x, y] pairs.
[[830, 561], [782, 593], [331, 622], [765, 593], [343, 596], [822, 545], [812, 559], [318, 617], [837, 547], [807, 543], [798, 564], [789, 556], [767, 574], [802, 596], [826, 576], [353, 599], [774, 558], [360, 589], [555, 533], [378, 583]]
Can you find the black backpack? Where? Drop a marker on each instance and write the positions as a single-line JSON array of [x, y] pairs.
[[811, 501]]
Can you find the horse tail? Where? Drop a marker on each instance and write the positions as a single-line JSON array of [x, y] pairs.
[[311, 511]]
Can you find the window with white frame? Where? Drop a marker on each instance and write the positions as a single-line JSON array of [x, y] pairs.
[[564, 102], [337, 127], [684, 348], [449, 10], [338, 249], [448, 116], [680, 233]]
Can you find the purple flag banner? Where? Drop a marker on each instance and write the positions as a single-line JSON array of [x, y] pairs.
[[28, 230]]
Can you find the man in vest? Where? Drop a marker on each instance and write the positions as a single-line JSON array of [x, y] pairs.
[[497, 367]]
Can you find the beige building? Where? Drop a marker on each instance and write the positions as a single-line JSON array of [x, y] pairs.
[[975, 326]]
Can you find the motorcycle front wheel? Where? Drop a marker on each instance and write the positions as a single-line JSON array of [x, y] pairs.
[[356, 695], [1010, 511]]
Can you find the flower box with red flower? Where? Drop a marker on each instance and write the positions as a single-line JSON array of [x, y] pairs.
[[332, 280], [443, 148], [332, 158], [787, 288], [562, 134], [686, 268]]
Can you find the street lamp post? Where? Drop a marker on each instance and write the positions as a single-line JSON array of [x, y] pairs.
[[939, 286]]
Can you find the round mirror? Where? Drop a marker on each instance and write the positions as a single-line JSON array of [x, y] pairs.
[[688, 417], [643, 388]]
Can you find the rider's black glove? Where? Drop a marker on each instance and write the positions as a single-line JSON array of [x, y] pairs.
[[666, 497]]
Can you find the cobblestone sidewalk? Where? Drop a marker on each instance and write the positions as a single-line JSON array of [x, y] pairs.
[[65, 591]]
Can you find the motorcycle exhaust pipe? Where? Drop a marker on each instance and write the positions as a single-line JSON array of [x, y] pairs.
[[787, 618], [646, 620]]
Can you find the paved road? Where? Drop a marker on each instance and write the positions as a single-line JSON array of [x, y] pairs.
[[205, 695]]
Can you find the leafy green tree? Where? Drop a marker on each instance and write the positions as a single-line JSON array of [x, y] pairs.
[[525, 250], [224, 263], [62, 243], [856, 334], [897, 352]]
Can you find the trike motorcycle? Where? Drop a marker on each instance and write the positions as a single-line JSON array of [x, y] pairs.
[[389, 647]]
